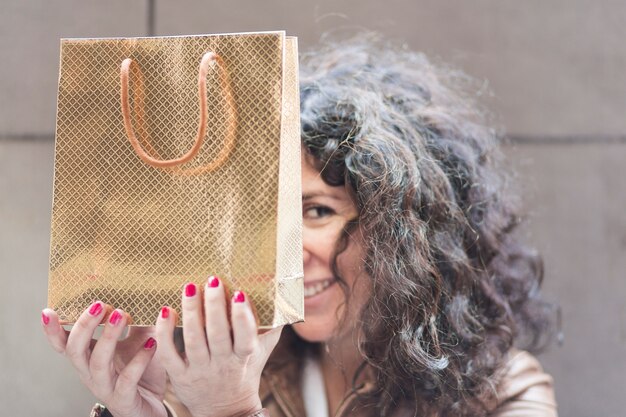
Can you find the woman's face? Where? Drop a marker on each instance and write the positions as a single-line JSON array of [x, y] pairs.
[[325, 211]]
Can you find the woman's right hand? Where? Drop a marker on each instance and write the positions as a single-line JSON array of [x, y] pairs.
[[121, 374]]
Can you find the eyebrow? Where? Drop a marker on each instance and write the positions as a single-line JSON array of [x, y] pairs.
[[314, 194]]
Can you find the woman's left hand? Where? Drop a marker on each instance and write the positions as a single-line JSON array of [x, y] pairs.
[[221, 371]]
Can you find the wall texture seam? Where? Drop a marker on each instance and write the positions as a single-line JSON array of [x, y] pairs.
[[586, 139]]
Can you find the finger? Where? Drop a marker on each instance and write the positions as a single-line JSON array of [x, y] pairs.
[[245, 337], [216, 319], [130, 376], [55, 333], [101, 359], [78, 342], [196, 347], [164, 334]]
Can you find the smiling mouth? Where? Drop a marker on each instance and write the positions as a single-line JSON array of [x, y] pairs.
[[311, 290]]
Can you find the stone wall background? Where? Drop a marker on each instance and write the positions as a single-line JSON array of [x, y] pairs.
[[557, 71]]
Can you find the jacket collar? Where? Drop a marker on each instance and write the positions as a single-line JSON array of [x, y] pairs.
[[282, 379]]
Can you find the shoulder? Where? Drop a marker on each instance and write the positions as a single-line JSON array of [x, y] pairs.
[[524, 389]]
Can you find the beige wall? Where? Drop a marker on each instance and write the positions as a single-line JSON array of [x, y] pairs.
[[558, 71]]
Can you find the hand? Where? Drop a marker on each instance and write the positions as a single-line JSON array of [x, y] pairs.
[[120, 374], [220, 374]]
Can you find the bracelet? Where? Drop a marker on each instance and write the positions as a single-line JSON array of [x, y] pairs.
[[100, 410]]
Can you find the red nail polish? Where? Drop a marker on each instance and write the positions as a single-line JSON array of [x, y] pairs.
[[239, 297], [45, 318], [95, 309], [150, 343], [115, 318], [165, 312], [190, 289], [214, 282]]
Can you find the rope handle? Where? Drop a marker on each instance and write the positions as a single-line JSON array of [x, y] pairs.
[[151, 157]]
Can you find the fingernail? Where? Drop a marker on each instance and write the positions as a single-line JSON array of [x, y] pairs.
[[165, 312], [239, 297], [190, 289], [95, 309], [150, 343], [45, 318], [214, 281], [115, 318]]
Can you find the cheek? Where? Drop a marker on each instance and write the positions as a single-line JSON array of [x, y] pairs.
[[319, 247]]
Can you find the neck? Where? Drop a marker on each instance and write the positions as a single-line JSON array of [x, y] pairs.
[[340, 360]]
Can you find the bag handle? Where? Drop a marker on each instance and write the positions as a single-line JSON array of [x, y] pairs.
[[208, 59]]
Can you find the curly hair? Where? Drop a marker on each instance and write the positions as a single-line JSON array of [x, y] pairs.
[[452, 287]]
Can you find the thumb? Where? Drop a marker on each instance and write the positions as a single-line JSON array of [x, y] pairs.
[[270, 339]]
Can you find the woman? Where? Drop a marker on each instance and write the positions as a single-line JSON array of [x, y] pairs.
[[415, 287]]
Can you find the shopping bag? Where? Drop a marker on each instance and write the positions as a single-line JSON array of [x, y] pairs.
[[177, 158]]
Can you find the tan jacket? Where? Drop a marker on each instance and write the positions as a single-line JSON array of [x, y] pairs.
[[525, 391]]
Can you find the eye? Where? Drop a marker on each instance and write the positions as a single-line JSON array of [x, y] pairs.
[[317, 212]]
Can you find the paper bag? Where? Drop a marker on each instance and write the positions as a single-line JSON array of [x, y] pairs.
[[177, 158]]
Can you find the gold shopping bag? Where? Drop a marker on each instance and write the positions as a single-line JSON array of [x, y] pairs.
[[177, 158]]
